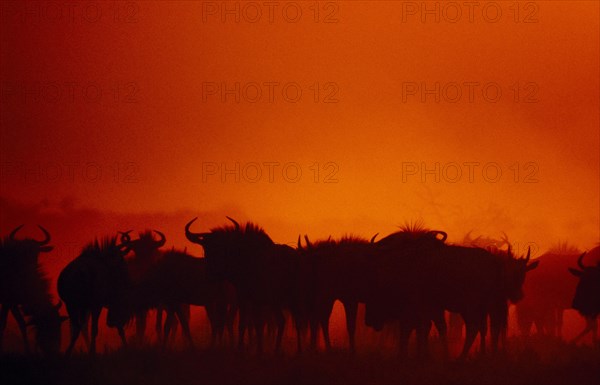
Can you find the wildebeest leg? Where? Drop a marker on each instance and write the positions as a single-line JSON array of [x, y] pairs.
[[85, 329], [232, 310], [168, 324], [95, 316], [140, 325], [280, 319], [324, 316], [422, 332], [351, 308], [16, 312], [314, 332], [440, 325], [76, 318], [325, 328], [213, 320], [472, 328], [406, 328], [242, 326], [498, 323], [121, 332], [483, 326], [3, 319], [184, 320], [590, 326]]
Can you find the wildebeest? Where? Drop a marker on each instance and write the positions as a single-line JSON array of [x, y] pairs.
[[422, 276], [334, 270], [97, 278], [24, 291], [175, 281], [147, 254], [587, 294], [394, 295], [261, 271], [548, 292]]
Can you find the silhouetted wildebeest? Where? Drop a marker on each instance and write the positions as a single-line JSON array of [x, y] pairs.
[[397, 292], [24, 291], [97, 278], [587, 294], [548, 292], [261, 271], [147, 253], [493, 245], [172, 283], [334, 270], [423, 276]]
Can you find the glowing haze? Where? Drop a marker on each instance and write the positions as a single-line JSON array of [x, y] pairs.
[[141, 111]]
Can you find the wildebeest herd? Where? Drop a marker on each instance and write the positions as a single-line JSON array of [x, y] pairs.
[[409, 278]]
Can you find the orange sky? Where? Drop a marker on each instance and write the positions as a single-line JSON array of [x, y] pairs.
[[152, 135]]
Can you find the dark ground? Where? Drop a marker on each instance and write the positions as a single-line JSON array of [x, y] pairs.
[[536, 362]]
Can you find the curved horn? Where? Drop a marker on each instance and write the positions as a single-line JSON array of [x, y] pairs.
[[308, 244], [14, 232], [125, 238], [443, 233], [373, 238], [299, 243], [162, 240], [47, 238], [193, 237], [528, 254], [467, 239], [125, 245], [504, 238], [580, 262], [237, 225]]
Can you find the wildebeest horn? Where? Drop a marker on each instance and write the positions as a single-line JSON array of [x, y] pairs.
[[580, 262], [308, 244], [14, 232], [443, 233], [237, 225], [125, 238], [373, 238], [528, 254], [162, 240], [299, 243], [505, 239], [193, 237], [46, 240]]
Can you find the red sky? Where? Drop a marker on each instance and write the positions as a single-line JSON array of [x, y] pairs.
[[139, 152]]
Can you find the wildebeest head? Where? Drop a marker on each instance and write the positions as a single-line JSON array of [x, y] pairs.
[[587, 294], [515, 270], [145, 246], [230, 250], [26, 250]]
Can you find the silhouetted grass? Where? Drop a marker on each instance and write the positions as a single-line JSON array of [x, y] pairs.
[[537, 362]]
